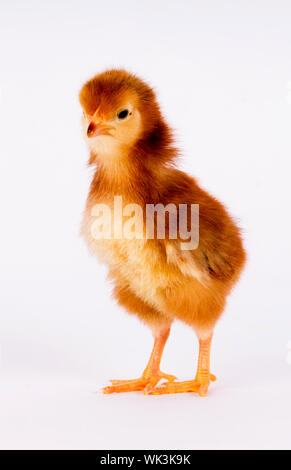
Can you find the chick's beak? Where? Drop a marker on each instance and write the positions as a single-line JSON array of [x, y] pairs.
[[94, 129]]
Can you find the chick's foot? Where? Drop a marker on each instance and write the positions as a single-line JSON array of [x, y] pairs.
[[198, 386], [146, 382]]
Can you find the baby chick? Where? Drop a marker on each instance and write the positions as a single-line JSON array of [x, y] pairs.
[[133, 152]]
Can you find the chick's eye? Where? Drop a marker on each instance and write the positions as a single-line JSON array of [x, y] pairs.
[[123, 114]]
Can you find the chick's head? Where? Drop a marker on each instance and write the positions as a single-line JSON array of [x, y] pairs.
[[119, 110]]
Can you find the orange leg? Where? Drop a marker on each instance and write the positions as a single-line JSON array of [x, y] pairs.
[[203, 377], [151, 375]]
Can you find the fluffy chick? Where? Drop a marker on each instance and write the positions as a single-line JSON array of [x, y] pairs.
[[133, 152]]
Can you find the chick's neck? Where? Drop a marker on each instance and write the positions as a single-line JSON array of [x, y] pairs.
[[138, 175], [134, 181]]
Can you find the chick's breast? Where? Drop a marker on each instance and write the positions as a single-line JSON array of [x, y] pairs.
[[140, 264]]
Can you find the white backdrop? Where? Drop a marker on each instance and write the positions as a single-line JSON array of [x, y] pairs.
[[222, 71]]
